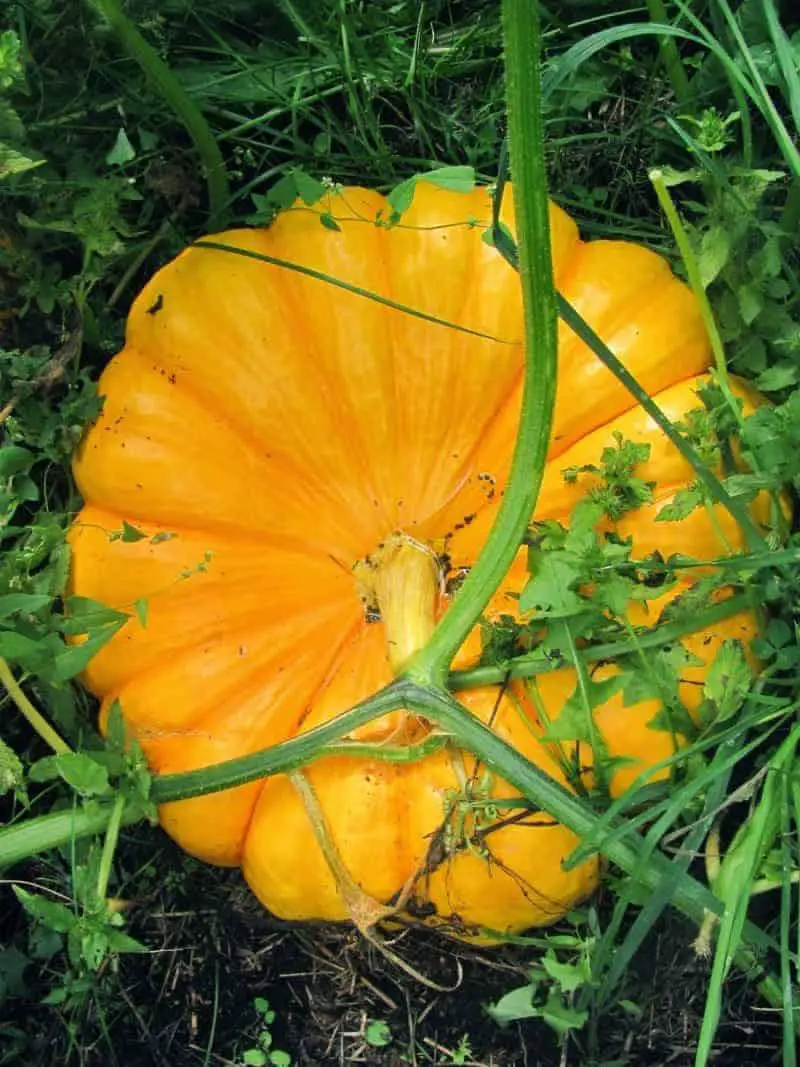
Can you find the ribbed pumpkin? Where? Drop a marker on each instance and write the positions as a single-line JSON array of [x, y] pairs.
[[315, 455]]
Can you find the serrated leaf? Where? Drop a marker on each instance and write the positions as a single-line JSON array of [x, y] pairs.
[[573, 722], [713, 254], [310, 190], [548, 590], [683, 503], [781, 376], [52, 913], [727, 683]]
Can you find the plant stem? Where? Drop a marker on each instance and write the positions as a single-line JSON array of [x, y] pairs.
[[528, 666], [621, 847], [110, 845], [522, 36], [671, 56], [696, 282], [32, 836], [173, 93], [31, 713]]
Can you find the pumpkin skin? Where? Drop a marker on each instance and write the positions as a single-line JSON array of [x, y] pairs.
[[281, 429]]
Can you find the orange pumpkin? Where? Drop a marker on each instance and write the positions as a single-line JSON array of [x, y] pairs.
[[314, 454]]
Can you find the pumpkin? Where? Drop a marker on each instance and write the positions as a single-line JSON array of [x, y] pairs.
[[308, 467]]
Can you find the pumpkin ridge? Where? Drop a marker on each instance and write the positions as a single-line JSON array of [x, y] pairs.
[[244, 628], [283, 462], [288, 288], [298, 729]]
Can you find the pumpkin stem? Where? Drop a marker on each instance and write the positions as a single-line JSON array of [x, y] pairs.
[[402, 582]]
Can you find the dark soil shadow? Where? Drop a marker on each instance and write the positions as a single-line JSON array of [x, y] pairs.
[[213, 951]]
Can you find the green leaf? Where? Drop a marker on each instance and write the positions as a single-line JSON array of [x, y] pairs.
[[52, 913], [549, 592], [457, 179], [13, 964], [142, 608], [84, 614], [254, 1057], [16, 646], [14, 459], [377, 1034], [77, 769], [402, 196], [12, 773], [713, 254], [329, 222], [727, 683], [682, 504], [573, 722], [515, 1005], [121, 942], [310, 190], [561, 1017], [123, 151], [781, 376], [130, 534], [569, 976], [29, 603]]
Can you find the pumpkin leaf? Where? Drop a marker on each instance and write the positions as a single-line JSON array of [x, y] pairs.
[[87, 777]]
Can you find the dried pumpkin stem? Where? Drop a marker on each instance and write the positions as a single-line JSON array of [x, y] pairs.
[[522, 36], [364, 910], [401, 581]]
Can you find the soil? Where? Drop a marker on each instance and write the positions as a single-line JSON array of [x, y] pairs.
[[188, 1002]]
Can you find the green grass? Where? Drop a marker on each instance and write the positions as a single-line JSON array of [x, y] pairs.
[[112, 163]]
